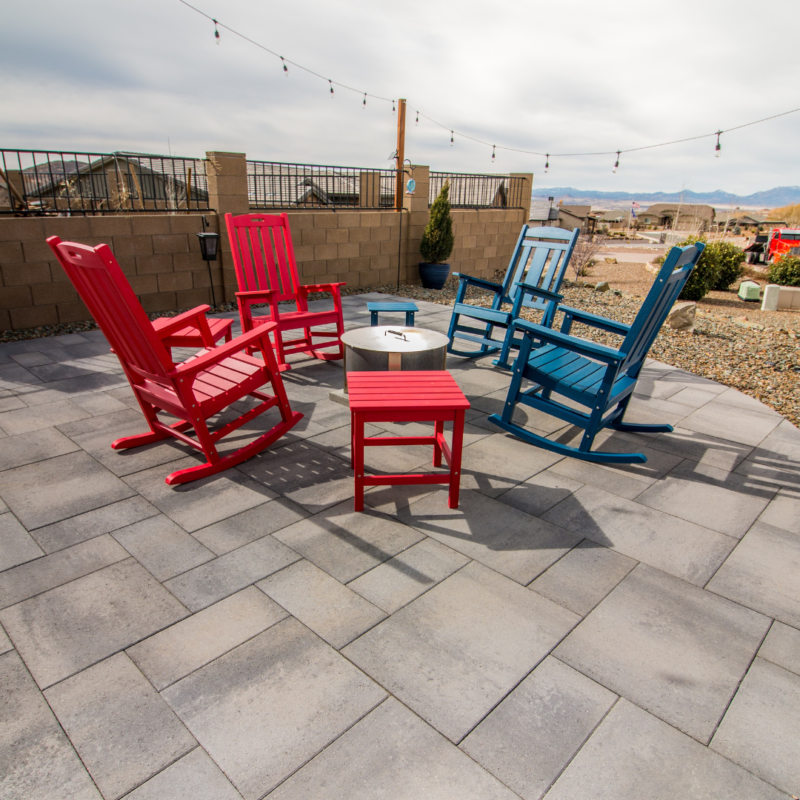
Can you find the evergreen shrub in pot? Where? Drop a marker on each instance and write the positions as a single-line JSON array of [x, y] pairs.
[[437, 242]]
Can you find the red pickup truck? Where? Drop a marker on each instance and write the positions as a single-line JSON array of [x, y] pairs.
[[777, 243]]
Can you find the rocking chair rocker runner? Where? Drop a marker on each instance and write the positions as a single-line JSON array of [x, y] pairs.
[[532, 280], [193, 391], [592, 375], [266, 271]]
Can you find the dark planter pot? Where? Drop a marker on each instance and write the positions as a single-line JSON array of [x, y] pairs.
[[433, 276]]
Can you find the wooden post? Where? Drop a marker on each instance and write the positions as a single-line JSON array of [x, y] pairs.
[[401, 153]]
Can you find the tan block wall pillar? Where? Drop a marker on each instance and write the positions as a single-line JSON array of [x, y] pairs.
[[227, 193], [416, 216], [527, 188]]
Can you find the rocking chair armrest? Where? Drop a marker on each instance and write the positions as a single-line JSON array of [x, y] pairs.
[[479, 282], [582, 347], [255, 294], [319, 287], [545, 293], [208, 359], [195, 316], [596, 321]]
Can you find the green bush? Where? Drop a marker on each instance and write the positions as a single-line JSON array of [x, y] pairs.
[[730, 263], [705, 274], [438, 239], [785, 271]]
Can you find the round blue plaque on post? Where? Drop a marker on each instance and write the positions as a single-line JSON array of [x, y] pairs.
[[410, 186]]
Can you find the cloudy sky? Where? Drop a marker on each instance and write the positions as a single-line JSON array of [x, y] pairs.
[[552, 77]]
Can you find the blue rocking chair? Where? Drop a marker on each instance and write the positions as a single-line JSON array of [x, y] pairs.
[[590, 374], [538, 265]]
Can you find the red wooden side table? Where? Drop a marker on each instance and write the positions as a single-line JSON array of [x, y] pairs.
[[430, 396]]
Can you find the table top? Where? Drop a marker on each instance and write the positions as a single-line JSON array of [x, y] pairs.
[[414, 390], [394, 339], [392, 307]]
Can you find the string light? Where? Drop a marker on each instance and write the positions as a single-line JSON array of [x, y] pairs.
[[492, 154], [547, 163], [364, 104], [393, 108], [718, 133]]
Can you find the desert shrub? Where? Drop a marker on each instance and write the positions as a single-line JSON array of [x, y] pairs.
[[785, 271], [583, 256], [730, 263], [704, 276]]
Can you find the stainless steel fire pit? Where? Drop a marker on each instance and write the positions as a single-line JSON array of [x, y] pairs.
[[390, 347]]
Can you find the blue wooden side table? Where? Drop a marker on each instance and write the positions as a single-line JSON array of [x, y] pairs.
[[376, 308]]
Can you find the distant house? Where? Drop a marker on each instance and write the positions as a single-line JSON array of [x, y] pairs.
[[570, 217], [682, 216], [615, 219], [543, 214], [749, 221]]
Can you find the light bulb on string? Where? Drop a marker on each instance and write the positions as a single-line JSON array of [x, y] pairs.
[[364, 104], [394, 110], [451, 138], [547, 163], [719, 146], [493, 146], [616, 163], [331, 85], [285, 68], [216, 32], [417, 120]]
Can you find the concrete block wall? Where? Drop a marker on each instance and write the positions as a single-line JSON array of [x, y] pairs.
[[159, 253]]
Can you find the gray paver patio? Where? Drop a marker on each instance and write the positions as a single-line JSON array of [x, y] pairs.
[[570, 630]]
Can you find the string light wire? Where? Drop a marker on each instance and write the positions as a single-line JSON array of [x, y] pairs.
[[333, 83]]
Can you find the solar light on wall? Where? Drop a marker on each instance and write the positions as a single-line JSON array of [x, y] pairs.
[[209, 247]]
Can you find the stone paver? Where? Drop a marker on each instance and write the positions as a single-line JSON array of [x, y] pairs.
[[422, 764], [36, 759], [669, 647], [67, 629], [196, 641], [123, 731], [532, 735], [264, 709], [453, 653], [761, 729], [634, 755], [335, 613], [571, 630], [761, 573]]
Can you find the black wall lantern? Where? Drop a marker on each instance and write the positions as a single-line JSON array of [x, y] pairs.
[[209, 246]]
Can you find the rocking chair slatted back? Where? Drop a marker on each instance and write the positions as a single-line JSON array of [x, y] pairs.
[[107, 294], [660, 299], [540, 258], [266, 257]]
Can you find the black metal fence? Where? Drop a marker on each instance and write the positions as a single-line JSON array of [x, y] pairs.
[[479, 191], [275, 185], [34, 182]]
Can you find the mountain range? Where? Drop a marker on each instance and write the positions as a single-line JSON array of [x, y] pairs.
[[772, 198]]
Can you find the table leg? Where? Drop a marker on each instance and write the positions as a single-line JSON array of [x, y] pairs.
[[373, 319], [358, 459], [437, 450], [455, 463], [409, 319]]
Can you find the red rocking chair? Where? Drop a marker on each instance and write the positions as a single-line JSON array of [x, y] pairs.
[[267, 274], [193, 391]]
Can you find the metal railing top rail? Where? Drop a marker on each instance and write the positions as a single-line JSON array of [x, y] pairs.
[[273, 184], [80, 183], [478, 191]]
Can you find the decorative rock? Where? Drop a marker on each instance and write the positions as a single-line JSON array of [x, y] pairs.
[[611, 261], [602, 286], [682, 316]]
